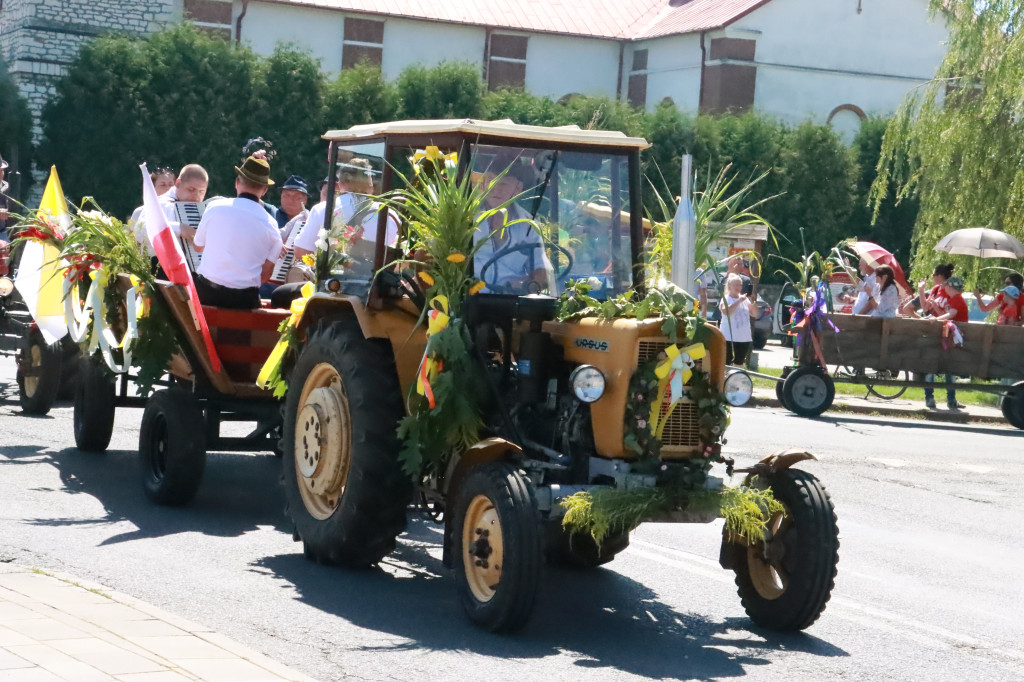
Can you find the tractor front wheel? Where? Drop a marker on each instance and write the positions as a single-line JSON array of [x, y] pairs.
[[498, 547], [786, 580], [345, 489]]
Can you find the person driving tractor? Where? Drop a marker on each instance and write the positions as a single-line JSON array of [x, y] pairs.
[[511, 258]]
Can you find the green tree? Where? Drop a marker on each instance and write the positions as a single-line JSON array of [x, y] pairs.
[[448, 90], [893, 225], [15, 132], [359, 95], [955, 143], [287, 85]]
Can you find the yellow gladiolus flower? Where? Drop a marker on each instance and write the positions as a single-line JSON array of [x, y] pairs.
[[457, 258], [475, 289], [309, 260], [426, 277]]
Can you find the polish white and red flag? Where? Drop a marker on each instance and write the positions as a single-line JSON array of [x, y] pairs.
[[172, 258]]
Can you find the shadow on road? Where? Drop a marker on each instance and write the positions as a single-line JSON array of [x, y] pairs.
[[601, 618], [842, 420], [238, 494]]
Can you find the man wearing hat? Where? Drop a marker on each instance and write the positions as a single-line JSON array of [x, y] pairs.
[[239, 241], [294, 195]]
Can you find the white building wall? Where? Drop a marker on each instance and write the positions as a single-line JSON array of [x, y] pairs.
[[561, 65], [428, 43], [813, 55], [673, 70], [316, 31]]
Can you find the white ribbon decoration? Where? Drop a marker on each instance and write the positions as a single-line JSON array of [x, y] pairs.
[[80, 315]]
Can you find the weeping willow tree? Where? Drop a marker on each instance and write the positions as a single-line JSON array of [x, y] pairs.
[[957, 142]]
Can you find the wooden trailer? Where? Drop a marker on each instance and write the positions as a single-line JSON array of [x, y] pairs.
[[912, 346]]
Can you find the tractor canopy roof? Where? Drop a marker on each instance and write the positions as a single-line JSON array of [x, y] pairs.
[[504, 129]]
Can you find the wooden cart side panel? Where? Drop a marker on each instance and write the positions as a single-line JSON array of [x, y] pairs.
[[915, 345], [177, 300]]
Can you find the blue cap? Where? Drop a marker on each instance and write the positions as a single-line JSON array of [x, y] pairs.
[[297, 183], [1011, 291]]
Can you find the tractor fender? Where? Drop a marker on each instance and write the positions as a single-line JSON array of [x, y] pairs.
[[487, 450], [778, 461], [321, 305]]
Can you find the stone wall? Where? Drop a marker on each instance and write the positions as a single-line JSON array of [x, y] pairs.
[[39, 38]]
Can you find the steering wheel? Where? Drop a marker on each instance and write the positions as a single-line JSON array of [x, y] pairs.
[[526, 249]]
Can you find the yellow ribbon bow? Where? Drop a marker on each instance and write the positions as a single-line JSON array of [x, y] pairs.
[[437, 320], [673, 373], [270, 372]]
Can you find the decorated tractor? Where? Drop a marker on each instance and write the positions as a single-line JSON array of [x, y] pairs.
[[508, 369]]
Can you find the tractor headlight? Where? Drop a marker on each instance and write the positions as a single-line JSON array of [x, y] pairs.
[[587, 383], [738, 387], [6, 286]]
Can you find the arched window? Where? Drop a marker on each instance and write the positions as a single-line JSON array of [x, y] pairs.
[[845, 120]]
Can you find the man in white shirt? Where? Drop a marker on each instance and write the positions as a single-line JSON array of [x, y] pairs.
[[239, 241], [353, 182], [522, 266], [191, 185]]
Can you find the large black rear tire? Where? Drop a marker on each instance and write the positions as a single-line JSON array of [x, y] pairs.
[[785, 583], [344, 485], [498, 548], [39, 370], [1012, 405], [808, 391], [172, 446], [94, 406]]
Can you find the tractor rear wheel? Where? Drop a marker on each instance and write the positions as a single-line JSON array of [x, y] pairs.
[[94, 405], [345, 489], [786, 580], [497, 545], [172, 446], [39, 370]]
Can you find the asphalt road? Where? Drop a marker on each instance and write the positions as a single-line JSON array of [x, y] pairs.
[[929, 584]]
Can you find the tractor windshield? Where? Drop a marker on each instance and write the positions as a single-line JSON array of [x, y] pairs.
[[573, 221]]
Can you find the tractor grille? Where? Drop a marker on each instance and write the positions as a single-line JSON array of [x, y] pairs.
[[681, 436]]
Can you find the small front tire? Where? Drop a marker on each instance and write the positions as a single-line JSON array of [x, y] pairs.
[[786, 581], [1012, 405], [172, 447], [498, 548]]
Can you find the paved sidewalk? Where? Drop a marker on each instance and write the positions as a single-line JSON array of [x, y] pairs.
[[56, 628], [906, 409]]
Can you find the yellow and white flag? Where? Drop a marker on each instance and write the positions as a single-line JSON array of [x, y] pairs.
[[41, 274]]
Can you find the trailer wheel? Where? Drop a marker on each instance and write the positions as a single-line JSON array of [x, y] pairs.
[[785, 582], [786, 371], [497, 542], [1012, 405], [39, 370], [345, 489], [94, 406], [808, 391], [172, 446]]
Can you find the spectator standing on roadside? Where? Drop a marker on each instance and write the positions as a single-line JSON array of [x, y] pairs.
[[239, 241], [735, 324], [955, 311]]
